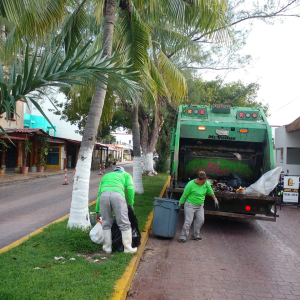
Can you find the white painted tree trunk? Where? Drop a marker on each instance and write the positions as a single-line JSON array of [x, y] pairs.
[[137, 175], [148, 164], [137, 167], [148, 141], [79, 214], [148, 161]]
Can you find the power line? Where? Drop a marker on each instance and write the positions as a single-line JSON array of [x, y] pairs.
[[286, 104]]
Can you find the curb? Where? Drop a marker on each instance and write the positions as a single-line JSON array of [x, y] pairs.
[[26, 237], [123, 284]]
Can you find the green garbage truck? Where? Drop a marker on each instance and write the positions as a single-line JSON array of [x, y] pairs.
[[225, 142]]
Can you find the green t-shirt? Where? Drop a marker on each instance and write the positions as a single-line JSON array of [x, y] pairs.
[[195, 193], [116, 181]]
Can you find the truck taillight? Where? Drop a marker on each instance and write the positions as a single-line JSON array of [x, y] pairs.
[[247, 115], [241, 115], [189, 111], [202, 112], [247, 207], [201, 128], [221, 109], [243, 130], [254, 115]]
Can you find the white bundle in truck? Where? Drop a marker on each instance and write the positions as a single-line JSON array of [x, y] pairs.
[[265, 184]]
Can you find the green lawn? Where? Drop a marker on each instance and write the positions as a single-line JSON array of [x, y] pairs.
[[69, 279]]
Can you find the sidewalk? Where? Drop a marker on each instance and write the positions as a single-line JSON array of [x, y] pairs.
[[237, 259], [10, 177]]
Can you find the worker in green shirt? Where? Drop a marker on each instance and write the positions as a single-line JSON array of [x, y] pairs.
[[193, 200], [111, 197]]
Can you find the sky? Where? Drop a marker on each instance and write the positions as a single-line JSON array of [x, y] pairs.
[[275, 50]]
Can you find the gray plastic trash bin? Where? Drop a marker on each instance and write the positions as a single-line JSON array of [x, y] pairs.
[[165, 217]]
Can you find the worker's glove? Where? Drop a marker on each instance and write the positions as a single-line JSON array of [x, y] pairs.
[[216, 203], [180, 206], [98, 215], [130, 207]]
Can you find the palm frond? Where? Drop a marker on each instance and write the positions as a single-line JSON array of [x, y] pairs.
[[74, 26], [175, 81], [99, 10], [160, 84], [171, 42], [35, 21], [108, 108], [135, 34], [64, 70]]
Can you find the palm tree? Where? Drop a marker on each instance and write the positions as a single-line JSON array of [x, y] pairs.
[[79, 214], [171, 88], [143, 37], [79, 209], [176, 13], [137, 168], [59, 70]]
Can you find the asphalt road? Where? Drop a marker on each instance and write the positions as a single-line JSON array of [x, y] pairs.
[[28, 206]]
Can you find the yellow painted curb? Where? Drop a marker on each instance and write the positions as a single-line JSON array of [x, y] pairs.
[[122, 286], [25, 238]]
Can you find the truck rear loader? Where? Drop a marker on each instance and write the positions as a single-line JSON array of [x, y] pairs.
[[223, 141]]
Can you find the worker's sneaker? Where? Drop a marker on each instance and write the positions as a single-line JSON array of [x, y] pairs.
[[182, 241], [197, 239]]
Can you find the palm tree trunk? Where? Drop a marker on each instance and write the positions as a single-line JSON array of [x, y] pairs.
[[79, 213], [137, 167], [149, 141]]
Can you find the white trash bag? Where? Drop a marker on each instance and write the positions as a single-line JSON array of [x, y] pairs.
[[265, 184], [96, 234]]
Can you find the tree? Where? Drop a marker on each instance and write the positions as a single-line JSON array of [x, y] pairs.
[[162, 163], [108, 139], [160, 78], [137, 170], [56, 69], [211, 55], [190, 45], [206, 15], [216, 92]]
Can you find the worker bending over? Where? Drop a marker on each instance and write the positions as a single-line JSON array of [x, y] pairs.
[[111, 196]]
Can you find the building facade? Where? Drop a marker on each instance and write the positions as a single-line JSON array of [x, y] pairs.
[[24, 130], [287, 149]]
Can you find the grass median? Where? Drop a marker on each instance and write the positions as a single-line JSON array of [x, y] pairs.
[[82, 270]]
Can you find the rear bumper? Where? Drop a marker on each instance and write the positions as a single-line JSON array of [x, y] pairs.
[[233, 205], [241, 216]]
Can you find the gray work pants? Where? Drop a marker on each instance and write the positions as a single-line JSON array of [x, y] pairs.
[[114, 201], [192, 212]]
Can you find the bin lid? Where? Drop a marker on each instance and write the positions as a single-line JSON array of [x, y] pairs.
[[166, 200]]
